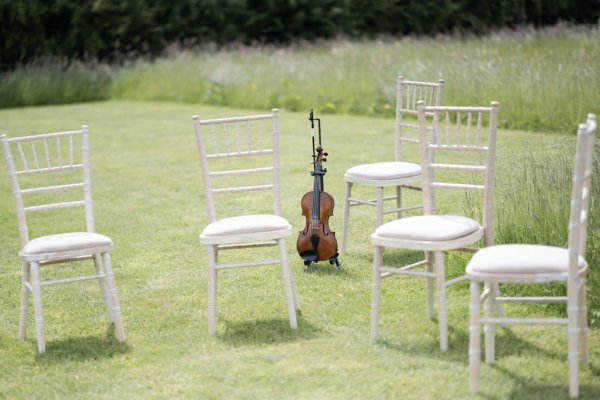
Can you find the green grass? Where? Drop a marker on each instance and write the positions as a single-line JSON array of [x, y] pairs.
[[148, 198], [545, 81]]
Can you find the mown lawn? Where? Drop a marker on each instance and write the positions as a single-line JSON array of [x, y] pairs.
[[148, 198]]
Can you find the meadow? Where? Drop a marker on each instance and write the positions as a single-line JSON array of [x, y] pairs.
[[546, 80], [148, 198]]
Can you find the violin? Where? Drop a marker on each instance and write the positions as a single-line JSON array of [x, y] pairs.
[[316, 242]]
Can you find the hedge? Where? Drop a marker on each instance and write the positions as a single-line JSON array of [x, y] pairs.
[[117, 30]]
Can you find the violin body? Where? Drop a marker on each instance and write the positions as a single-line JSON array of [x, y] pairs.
[[316, 242]]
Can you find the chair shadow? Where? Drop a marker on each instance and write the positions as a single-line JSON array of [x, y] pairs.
[[510, 344], [523, 388], [83, 348], [401, 257], [458, 345], [266, 331]]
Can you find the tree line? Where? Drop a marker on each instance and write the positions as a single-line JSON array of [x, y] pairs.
[[117, 30]]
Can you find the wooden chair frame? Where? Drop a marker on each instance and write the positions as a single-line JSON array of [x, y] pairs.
[[408, 93], [465, 138], [576, 320], [47, 163], [242, 240]]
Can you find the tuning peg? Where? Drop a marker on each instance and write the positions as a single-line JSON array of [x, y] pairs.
[[324, 159], [326, 154]]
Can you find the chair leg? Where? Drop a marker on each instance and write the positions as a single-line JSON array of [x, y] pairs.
[[346, 215], [474, 338], [212, 291], [288, 283], [25, 277], [498, 307], [583, 324], [573, 350], [429, 284], [103, 286], [441, 295], [399, 200], [295, 292], [37, 306], [489, 329], [115, 306], [376, 286], [379, 193]]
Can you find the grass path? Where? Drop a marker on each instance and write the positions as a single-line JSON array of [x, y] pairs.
[[147, 191]]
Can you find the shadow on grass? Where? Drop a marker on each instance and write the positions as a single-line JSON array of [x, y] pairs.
[[350, 260], [458, 343], [400, 257], [83, 348], [324, 268], [510, 344], [266, 331], [507, 344], [525, 388]]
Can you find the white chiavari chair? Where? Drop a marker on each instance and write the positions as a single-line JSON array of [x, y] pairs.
[[532, 263], [61, 159], [461, 160], [236, 143], [397, 174]]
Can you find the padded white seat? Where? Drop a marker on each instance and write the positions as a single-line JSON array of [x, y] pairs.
[[71, 241], [515, 259], [384, 171], [268, 225], [428, 227]]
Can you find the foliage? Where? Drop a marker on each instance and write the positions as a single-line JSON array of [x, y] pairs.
[[116, 30], [529, 72]]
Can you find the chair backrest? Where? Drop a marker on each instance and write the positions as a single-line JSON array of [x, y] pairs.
[[43, 158], [236, 141], [580, 197], [466, 137], [408, 94]]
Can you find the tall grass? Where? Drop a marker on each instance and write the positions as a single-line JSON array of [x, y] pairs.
[[54, 82], [545, 80], [532, 204]]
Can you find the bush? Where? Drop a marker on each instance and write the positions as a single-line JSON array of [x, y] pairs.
[[116, 30]]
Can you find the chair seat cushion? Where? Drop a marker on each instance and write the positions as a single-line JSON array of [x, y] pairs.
[[428, 228], [71, 241], [384, 170], [245, 224], [514, 259]]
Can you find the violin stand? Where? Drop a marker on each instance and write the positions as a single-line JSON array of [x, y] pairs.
[[312, 257]]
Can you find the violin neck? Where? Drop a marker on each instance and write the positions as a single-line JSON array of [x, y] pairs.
[[316, 203]]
